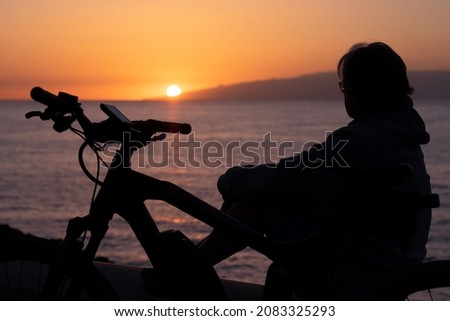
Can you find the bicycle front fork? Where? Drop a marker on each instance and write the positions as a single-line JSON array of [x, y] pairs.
[[66, 272]]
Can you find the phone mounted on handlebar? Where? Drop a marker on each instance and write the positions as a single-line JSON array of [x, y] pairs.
[[114, 114]]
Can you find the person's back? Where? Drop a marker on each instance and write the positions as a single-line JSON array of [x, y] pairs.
[[386, 130], [381, 245]]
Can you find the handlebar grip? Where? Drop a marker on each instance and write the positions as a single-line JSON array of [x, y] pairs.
[[44, 97], [63, 109], [170, 127]]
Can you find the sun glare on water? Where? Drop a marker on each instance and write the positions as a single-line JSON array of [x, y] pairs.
[[173, 91]]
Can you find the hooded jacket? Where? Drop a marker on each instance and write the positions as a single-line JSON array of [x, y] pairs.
[[361, 260]]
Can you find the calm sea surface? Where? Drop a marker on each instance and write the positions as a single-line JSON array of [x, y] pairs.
[[42, 185]]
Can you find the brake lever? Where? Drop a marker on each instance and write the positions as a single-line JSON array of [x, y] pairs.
[[157, 138], [42, 115], [34, 114]]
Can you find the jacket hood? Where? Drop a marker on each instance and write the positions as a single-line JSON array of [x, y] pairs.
[[404, 122]]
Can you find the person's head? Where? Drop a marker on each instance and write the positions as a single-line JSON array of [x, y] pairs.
[[373, 77]]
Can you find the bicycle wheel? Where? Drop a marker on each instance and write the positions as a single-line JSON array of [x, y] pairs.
[[24, 270], [427, 281]]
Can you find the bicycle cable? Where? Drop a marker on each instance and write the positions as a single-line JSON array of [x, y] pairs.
[[93, 178], [95, 148]]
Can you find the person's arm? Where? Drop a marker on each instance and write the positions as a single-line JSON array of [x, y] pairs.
[[308, 176]]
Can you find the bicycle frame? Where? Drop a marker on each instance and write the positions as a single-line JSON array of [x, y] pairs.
[[124, 192]]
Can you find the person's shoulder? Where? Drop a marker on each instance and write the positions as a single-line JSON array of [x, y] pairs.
[[348, 132]]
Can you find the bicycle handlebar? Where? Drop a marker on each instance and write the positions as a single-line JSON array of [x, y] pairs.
[[64, 109], [45, 97], [166, 127]]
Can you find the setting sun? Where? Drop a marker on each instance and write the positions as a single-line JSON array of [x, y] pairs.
[[173, 91]]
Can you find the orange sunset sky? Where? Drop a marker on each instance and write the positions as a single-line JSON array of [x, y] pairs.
[[134, 49]]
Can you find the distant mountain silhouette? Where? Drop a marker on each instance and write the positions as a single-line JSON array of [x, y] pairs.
[[427, 84]]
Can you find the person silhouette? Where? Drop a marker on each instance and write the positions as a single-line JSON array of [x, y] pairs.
[[385, 130]]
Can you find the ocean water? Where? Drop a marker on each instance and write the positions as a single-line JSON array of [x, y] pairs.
[[42, 185]]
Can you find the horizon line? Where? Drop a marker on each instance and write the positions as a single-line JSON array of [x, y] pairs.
[[180, 98]]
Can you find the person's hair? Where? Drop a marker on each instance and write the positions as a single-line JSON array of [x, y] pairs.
[[374, 73]]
